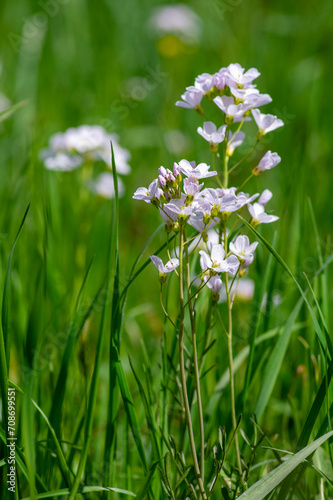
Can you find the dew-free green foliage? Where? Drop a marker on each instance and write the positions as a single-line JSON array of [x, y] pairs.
[[83, 337]]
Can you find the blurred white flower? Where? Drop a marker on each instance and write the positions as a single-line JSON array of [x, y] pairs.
[[62, 162], [86, 143], [103, 186], [177, 19]]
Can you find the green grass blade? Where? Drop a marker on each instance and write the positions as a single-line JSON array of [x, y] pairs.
[[269, 482], [258, 316], [275, 362], [151, 423], [9, 111], [130, 410], [85, 489], [6, 294], [323, 338], [146, 483]]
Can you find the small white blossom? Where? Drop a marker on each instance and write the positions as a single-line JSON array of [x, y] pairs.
[[213, 135], [153, 193], [268, 161], [191, 99], [234, 112], [239, 78], [192, 186], [266, 123], [242, 248], [216, 262], [259, 215], [204, 82], [170, 266], [191, 169]]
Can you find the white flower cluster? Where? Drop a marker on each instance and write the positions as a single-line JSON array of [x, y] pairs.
[[183, 200], [87, 144]]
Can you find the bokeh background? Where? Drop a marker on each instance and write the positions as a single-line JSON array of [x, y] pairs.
[[79, 62]]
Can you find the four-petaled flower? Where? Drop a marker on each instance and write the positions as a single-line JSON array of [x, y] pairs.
[[170, 266], [150, 195], [242, 248], [266, 123], [239, 78], [213, 135], [216, 262], [191, 99], [259, 215], [191, 169]]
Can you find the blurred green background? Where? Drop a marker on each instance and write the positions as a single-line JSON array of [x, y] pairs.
[[79, 62]]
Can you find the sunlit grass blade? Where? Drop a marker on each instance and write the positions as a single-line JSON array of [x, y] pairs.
[[323, 338], [268, 483]]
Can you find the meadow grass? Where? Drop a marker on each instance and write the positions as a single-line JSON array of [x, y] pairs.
[[84, 340]]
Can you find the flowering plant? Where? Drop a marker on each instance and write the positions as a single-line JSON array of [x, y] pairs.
[[197, 215]]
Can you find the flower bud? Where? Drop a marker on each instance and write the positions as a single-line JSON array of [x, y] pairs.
[[161, 181], [176, 169]]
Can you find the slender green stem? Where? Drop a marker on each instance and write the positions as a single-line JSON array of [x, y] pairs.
[[182, 366], [196, 367], [245, 182], [244, 157]]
